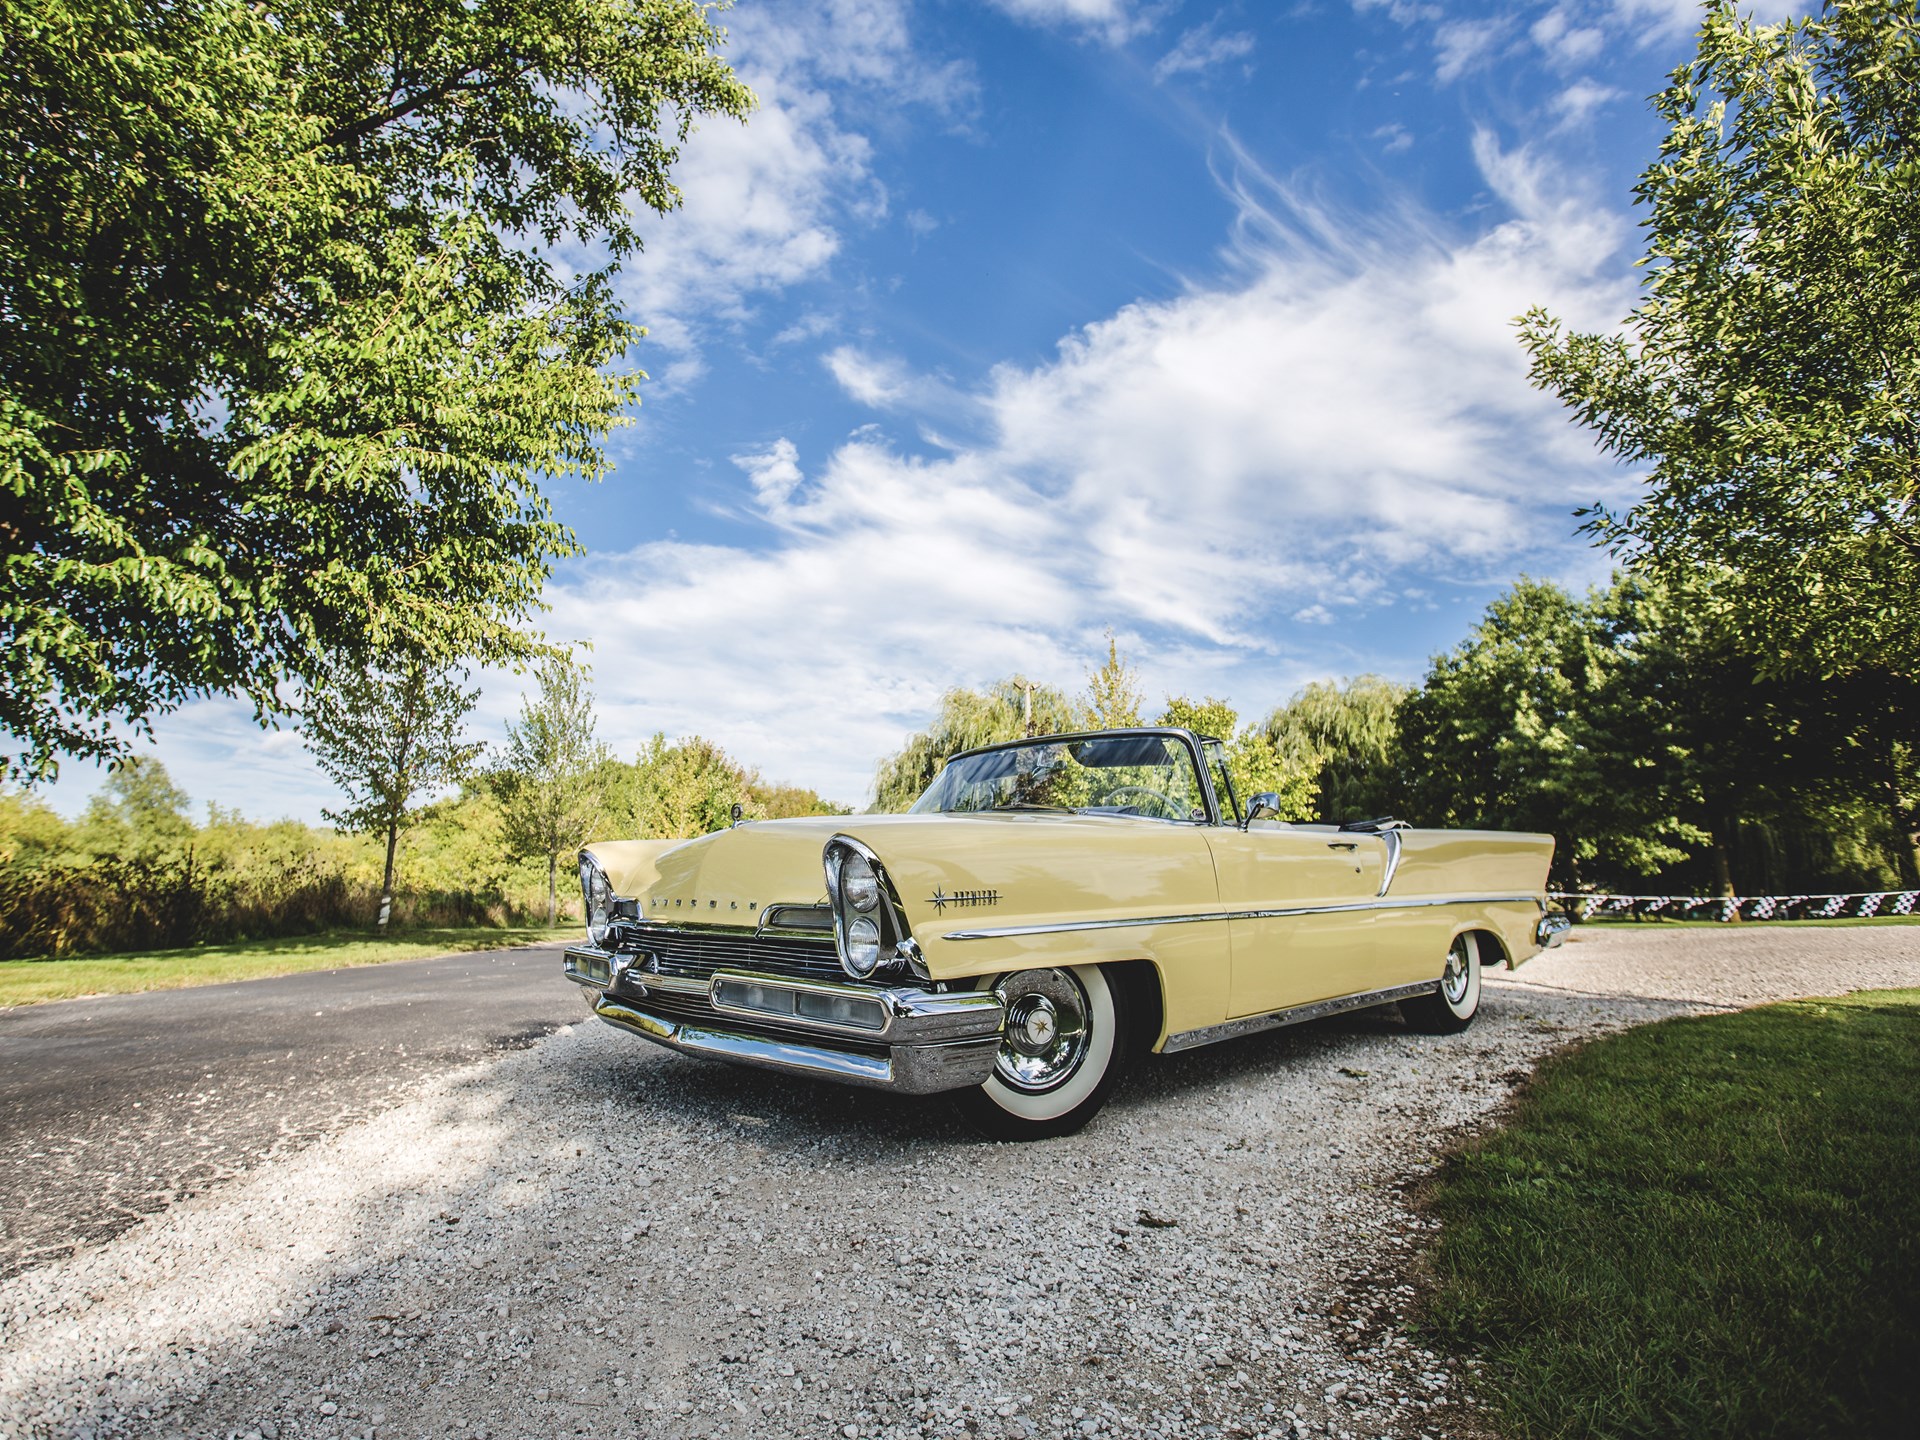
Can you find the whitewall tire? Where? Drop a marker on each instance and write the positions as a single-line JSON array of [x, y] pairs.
[[1455, 999], [1067, 1039]]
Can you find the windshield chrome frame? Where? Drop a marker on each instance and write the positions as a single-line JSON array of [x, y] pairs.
[[1230, 811], [1193, 743]]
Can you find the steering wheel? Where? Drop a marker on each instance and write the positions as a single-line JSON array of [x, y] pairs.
[[1168, 806]]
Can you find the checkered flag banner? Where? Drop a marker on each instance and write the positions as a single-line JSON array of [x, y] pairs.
[[1741, 907]]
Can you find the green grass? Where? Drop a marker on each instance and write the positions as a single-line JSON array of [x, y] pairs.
[[28, 982], [1706, 1228]]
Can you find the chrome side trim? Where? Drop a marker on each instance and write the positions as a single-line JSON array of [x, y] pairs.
[[1392, 839], [908, 1069], [1006, 932], [1294, 1015]]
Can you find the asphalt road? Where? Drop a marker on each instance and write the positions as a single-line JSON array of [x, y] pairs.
[[112, 1109]]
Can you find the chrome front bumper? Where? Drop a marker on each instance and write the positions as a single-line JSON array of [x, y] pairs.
[[900, 1038]]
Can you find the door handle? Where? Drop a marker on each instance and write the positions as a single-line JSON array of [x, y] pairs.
[[1342, 845]]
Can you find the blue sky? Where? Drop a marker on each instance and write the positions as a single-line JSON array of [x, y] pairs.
[[1003, 325]]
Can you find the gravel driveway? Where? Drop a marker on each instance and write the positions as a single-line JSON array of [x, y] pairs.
[[597, 1238]]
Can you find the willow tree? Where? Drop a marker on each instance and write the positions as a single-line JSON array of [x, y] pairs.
[[968, 718], [286, 356]]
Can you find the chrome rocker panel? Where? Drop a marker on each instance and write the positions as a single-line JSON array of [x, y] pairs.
[[1294, 1015], [929, 1041]]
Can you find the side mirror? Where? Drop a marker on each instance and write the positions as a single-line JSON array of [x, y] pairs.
[[1264, 806]]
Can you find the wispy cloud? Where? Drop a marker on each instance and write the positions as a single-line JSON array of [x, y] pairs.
[[1114, 21], [1581, 100], [1202, 48], [1564, 40], [767, 204], [1464, 45], [1393, 138]]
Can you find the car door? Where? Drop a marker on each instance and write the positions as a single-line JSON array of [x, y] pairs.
[[1288, 946]]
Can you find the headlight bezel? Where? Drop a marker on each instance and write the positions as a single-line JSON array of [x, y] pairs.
[[599, 905], [850, 866]]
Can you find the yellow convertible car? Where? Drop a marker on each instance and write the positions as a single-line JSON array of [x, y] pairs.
[[1047, 910]]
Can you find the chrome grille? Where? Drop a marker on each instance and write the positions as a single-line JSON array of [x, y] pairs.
[[696, 954]]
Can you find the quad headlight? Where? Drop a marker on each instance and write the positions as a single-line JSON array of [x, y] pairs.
[[869, 925], [596, 891]]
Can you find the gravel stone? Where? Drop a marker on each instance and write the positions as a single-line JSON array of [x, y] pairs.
[[597, 1238]]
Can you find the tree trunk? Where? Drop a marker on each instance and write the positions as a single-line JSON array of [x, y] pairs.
[[1906, 840], [386, 880], [1722, 863], [553, 895]]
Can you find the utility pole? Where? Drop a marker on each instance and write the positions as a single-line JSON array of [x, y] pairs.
[[1026, 689]]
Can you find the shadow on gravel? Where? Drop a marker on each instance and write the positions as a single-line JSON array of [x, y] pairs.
[[797, 1114]]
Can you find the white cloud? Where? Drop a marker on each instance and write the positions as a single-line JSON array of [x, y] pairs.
[[1217, 476], [767, 203], [1393, 138], [1464, 45], [1565, 41], [1402, 12], [1201, 48], [872, 380], [811, 325], [1114, 21], [1580, 100], [775, 473]]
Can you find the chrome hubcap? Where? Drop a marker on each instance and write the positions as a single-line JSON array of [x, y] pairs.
[[1454, 982], [1046, 1034]]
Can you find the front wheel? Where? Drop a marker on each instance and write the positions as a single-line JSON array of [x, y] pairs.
[[1067, 1039], [1456, 999]]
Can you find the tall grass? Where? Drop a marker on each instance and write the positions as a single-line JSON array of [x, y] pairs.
[[118, 904]]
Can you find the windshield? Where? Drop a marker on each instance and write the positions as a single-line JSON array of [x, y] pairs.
[[1151, 776]]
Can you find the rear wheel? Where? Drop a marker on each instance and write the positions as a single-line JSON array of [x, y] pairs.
[[1456, 999], [1067, 1039]]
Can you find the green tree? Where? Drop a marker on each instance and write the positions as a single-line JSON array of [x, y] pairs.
[[767, 801], [32, 833], [1255, 764], [1502, 735], [285, 351], [1634, 727], [1113, 693], [551, 774], [139, 814], [390, 737], [966, 719], [1343, 735], [685, 789], [1771, 375]]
